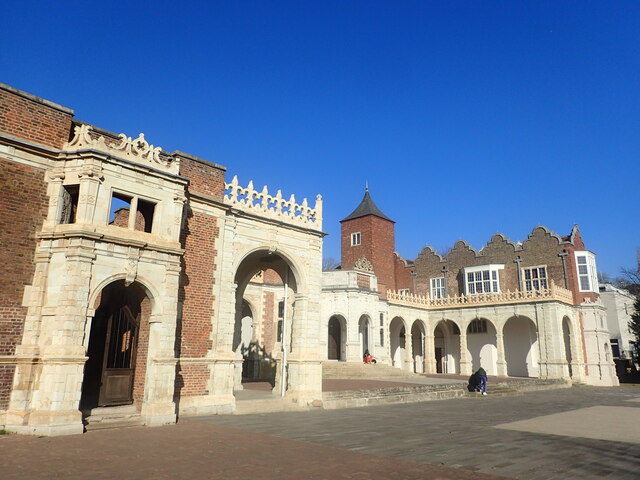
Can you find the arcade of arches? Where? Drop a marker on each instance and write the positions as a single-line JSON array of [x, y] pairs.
[[508, 347]]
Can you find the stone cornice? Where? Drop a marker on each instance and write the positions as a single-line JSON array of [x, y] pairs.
[[91, 234]]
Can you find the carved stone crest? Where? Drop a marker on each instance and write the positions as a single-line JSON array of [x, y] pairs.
[[363, 264]]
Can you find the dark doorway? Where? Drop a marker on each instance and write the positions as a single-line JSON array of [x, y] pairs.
[[110, 369], [334, 340], [438, 360]]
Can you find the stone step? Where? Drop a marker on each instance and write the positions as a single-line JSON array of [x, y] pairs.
[[423, 393], [112, 417], [124, 423], [246, 407], [332, 369]]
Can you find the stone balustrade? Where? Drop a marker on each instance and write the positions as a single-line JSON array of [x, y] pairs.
[[260, 202], [553, 293]]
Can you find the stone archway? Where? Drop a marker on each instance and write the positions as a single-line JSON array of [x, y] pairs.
[[397, 342], [521, 347], [482, 345], [115, 370], [447, 347], [336, 338], [261, 342], [417, 346], [566, 340], [364, 335]]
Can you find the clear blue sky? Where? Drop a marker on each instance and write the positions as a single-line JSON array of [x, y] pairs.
[[466, 118]]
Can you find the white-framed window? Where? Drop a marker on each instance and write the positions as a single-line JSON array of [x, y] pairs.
[[404, 291], [438, 288], [356, 239], [482, 279], [535, 278], [587, 273]]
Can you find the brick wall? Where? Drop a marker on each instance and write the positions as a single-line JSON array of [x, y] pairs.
[[542, 248], [196, 296], [204, 177], [377, 244], [141, 353], [269, 323], [23, 205], [33, 119], [402, 274]]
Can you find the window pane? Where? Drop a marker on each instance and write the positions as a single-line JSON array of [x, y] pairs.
[[584, 283]]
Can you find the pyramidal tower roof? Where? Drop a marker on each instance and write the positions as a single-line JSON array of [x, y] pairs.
[[366, 207]]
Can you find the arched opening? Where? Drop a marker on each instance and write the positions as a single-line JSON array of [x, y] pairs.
[[417, 345], [566, 336], [397, 333], [250, 359], [447, 347], [482, 345], [265, 303], [115, 370], [364, 333], [336, 338], [521, 347]]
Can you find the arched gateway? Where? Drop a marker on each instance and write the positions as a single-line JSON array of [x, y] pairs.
[[115, 370]]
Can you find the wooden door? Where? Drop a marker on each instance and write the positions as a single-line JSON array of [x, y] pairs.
[[119, 359]]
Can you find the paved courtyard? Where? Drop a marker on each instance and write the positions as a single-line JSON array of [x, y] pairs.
[[581, 433]]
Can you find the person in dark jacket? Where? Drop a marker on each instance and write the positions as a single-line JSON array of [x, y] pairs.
[[482, 375]]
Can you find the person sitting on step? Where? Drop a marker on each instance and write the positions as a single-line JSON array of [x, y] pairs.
[[482, 375], [368, 358]]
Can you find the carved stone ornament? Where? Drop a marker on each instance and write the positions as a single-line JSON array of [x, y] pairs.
[[363, 264], [135, 149], [274, 206], [131, 270]]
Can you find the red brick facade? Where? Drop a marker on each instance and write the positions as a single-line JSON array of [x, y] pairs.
[[23, 204], [196, 297], [542, 248], [33, 119], [377, 243], [204, 177]]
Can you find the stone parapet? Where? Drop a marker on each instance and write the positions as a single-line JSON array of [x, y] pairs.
[[553, 293], [260, 202]]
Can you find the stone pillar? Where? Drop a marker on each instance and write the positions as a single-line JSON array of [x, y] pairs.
[[304, 369], [408, 351], [429, 354], [465, 364], [158, 407], [352, 344], [90, 178], [49, 374], [502, 362], [577, 364]]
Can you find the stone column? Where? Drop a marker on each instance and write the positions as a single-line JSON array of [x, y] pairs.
[[352, 343], [465, 364], [158, 407], [49, 374], [90, 179], [502, 362], [429, 354], [408, 351], [304, 369]]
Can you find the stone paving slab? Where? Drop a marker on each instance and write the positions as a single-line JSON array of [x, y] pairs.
[[618, 424], [197, 450], [460, 433]]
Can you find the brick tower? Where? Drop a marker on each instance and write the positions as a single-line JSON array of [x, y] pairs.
[[369, 233]]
